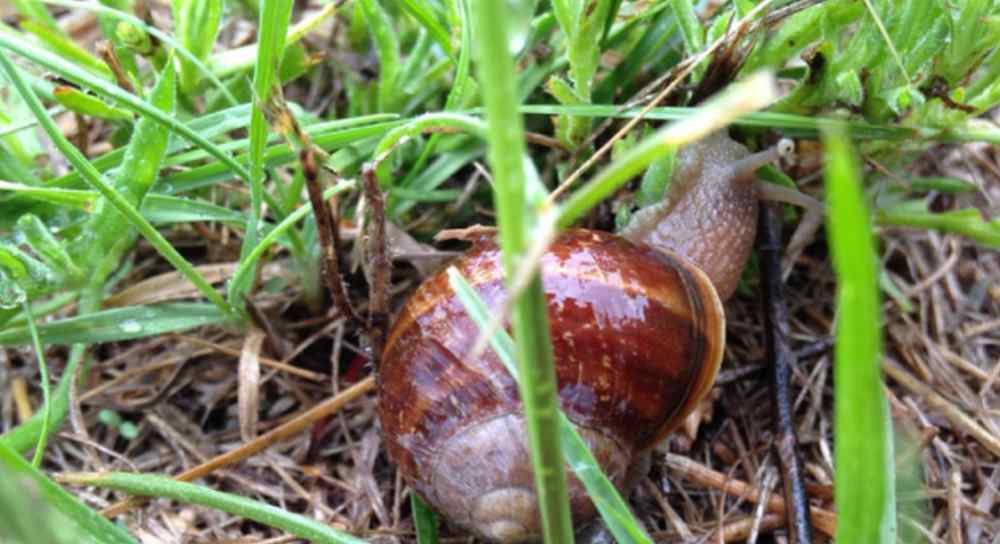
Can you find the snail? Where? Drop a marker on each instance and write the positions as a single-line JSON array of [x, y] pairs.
[[638, 333]]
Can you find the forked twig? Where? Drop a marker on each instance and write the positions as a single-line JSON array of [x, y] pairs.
[[780, 355]]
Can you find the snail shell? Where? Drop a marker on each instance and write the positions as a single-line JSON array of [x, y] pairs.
[[638, 337]]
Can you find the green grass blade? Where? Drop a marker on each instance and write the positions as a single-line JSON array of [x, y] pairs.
[[61, 45], [530, 321], [691, 27], [163, 209], [612, 507], [424, 519], [122, 97], [274, 17], [88, 521], [422, 12], [862, 428], [456, 95], [967, 222], [26, 435], [43, 374], [33, 10], [246, 268], [789, 124], [387, 44], [196, 23], [119, 324], [156, 208], [117, 200], [164, 37], [151, 485], [77, 101]]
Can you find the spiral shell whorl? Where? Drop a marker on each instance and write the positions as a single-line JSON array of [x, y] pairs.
[[482, 479], [637, 337]]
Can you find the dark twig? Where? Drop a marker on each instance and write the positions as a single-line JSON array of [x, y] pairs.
[[379, 265], [324, 227], [782, 359]]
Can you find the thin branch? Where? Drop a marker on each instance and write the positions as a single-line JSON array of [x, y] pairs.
[[325, 228], [379, 265], [781, 358]]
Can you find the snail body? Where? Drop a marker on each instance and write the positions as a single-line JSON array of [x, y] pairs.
[[638, 333]]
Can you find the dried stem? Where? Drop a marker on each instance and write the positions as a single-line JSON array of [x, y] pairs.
[[264, 441], [324, 227], [697, 473], [379, 265], [782, 359]]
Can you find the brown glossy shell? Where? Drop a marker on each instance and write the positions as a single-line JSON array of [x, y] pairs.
[[638, 337]]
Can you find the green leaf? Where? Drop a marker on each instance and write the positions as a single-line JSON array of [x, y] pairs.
[[424, 519], [161, 209], [43, 376], [134, 189], [967, 222], [123, 98], [44, 244], [152, 485], [196, 23], [273, 24], [88, 522], [424, 13], [66, 48], [34, 10], [862, 428], [82, 103], [387, 44], [31, 276], [119, 324]]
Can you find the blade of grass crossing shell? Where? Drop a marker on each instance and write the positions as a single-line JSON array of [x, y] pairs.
[[610, 504], [862, 427], [89, 522], [151, 485], [506, 158], [274, 17], [755, 92]]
